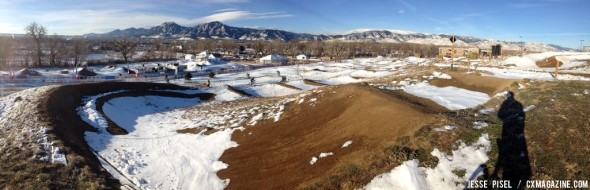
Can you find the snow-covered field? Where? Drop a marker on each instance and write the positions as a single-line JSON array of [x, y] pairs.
[[155, 156]]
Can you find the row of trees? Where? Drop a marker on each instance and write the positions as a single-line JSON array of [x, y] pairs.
[[39, 49], [334, 49]]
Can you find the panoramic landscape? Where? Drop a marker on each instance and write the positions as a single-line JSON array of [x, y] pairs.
[[257, 94]]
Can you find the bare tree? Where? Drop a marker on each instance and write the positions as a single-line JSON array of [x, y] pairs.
[[258, 46], [37, 32], [228, 45], [56, 50], [79, 51], [5, 50], [126, 47]]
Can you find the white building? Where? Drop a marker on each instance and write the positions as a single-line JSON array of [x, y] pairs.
[[273, 59], [189, 56], [301, 57]]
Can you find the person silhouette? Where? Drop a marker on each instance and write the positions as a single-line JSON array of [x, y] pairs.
[[513, 158]]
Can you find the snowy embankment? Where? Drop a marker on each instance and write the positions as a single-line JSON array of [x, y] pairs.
[[569, 59], [524, 74], [410, 176], [20, 124], [154, 155]]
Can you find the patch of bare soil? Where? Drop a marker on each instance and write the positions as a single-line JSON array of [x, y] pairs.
[[276, 155], [488, 85], [311, 82], [549, 62]]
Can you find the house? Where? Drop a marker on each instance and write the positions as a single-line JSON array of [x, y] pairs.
[[203, 55], [273, 59], [189, 56], [301, 57], [216, 56]]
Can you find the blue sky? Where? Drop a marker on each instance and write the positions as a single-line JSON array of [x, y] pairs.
[[561, 22]]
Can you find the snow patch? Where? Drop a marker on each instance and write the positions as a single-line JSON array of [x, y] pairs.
[[529, 108], [346, 144], [479, 125], [445, 128], [410, 176], [313, 160], [451, 97], [325, 154]]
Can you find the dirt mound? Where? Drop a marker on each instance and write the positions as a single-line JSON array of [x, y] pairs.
[[549, 62], [488, 85], [27, 72], [84, 72], [58, 108], [276, 155]]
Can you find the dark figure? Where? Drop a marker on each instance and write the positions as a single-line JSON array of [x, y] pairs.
[[166, 78], [208, 83], [279, 73], [247, 75], [252, 81], [513, 158]]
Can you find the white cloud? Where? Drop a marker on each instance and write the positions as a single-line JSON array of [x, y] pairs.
[[401, 11], [74, 22], [225, 10], [240, 15], [408, 5]]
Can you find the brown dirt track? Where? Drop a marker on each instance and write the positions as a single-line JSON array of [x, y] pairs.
[[276, 155], [59, 109]]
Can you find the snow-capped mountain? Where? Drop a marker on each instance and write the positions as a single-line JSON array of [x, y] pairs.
[[218, 30]]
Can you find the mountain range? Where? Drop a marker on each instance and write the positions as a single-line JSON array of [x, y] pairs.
[[218, 30]]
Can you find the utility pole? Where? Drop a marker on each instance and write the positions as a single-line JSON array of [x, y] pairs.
[[581, 45], [521, 44]]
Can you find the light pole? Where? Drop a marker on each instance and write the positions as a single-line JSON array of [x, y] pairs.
[[581, 45]]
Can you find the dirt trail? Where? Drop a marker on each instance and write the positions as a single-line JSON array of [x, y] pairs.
[[288, 86], [276, 155], [488, 85], [311, 82], [58, 108], [238, 91]]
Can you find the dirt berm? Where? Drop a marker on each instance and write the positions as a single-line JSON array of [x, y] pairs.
[[488, 85], [59, 109], [276, 155]]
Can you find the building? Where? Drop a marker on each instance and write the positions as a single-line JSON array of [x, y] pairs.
[[189, 56], [459, 51], [301, 57], [273, 59]]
